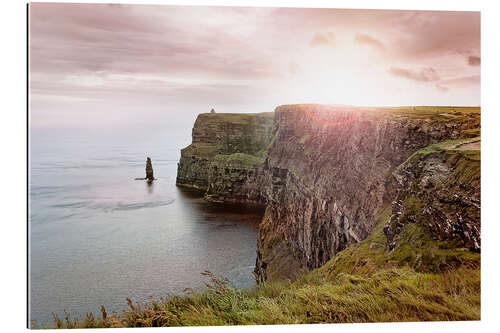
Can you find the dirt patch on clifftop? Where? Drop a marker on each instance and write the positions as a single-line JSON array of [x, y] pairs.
[[471, 145]]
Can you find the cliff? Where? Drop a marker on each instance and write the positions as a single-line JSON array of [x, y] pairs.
[[326, 173], [439, 187], [226, 156], [328, 176]]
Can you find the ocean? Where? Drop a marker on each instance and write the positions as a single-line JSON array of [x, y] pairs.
[[97, 236]]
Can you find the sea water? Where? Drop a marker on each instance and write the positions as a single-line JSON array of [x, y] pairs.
[[97, 236]]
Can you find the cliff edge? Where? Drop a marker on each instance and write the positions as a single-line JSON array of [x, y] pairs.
[[225, 158]]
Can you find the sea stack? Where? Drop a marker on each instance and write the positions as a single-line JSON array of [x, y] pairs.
[[149, 170]]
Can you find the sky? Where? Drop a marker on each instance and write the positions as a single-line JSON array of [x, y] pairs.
[[100, 64]]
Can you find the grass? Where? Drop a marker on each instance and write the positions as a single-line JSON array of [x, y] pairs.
[[415, 249], [471, 133], [238, 118], [448, 147], [239, 159], [436, 114], [433, 111], [364, 283], [391, 294], [205, 151], [420, 111]]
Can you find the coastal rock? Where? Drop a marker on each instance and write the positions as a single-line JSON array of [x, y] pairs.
[[149, 170], [226, 156], [440, 188], [327, 178]]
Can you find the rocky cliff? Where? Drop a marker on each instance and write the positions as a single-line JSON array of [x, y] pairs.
[[439, 187], [324, 174], [226, 156]]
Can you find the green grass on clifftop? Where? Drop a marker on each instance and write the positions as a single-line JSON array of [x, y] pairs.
[[239, 159], [450, 114], [236, 118], [450, 147]]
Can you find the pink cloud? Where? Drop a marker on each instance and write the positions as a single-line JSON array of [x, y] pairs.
[[442, 88], [428, 74], [463, 80], [159, 56], [369, 40], [322, 39], [474, 60]]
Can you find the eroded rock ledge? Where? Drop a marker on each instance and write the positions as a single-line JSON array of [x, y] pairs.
[[323, 172], [225, 160]]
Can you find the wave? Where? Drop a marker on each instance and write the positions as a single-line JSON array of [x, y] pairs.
[[136, 205], [112, 206]]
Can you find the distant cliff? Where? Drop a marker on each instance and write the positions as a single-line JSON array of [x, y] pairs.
[[225, 158], [326, 173]]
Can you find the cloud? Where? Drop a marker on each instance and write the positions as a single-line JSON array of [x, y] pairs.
[[320, 39], [459, 82], [368, 40], [405, 33], [429, 34], [105, 57], [463, 81], [442, 88], [428, 74], [474, 60], [72, 38]]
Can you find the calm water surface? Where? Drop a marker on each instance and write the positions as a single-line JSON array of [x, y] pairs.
[[97, 236]]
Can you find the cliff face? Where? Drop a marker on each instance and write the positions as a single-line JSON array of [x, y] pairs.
[[440, 187], [327, 175], [226, 156], [323, 172]]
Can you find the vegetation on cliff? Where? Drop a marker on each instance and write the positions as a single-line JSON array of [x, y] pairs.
[[239, 159], [329, 171], [225, 156], [397, 294]]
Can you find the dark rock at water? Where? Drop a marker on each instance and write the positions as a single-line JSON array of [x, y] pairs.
[[149, 170]]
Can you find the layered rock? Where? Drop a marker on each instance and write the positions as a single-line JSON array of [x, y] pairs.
[[327, 177], [440, 187], [226, 156], [323, 172]]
